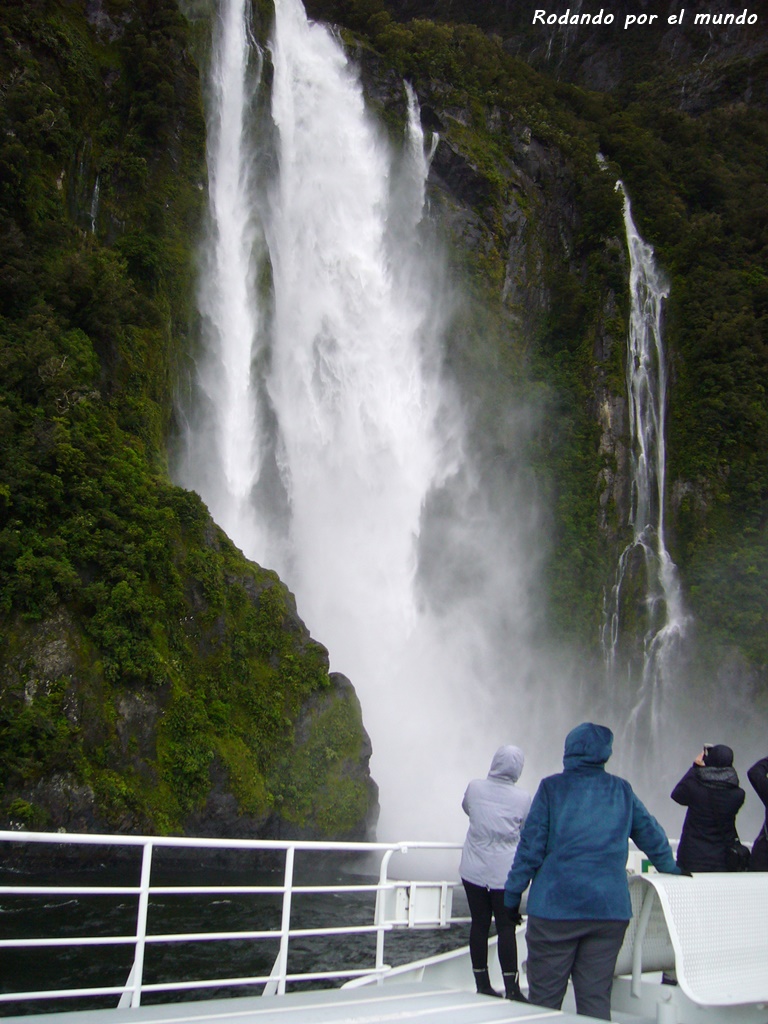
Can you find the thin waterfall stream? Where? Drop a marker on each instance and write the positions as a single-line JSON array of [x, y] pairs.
[[645, 564], [324, 434]]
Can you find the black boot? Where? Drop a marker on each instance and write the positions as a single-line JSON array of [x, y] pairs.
[[512, 988], [483, 983]]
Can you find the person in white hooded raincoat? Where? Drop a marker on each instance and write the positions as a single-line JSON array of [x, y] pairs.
[[497, 811]]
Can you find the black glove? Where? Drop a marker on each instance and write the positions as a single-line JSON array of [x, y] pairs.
[[513, 914], [686, 874]]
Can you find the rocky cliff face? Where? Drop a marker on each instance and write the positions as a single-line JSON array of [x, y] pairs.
[[646, 43], [279, 751]]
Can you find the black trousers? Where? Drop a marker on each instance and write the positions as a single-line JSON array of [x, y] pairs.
[[583, 950], [484, 904]]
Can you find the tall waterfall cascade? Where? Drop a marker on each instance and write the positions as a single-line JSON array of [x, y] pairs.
[[222, 462], [322, 431], [646, 557]]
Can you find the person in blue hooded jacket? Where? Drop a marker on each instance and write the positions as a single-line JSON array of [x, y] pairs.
[[573, 851]]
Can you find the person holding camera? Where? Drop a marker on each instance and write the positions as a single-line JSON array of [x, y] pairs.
[[710, 790]]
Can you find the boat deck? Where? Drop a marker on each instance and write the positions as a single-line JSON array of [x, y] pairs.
[[401, 1003]]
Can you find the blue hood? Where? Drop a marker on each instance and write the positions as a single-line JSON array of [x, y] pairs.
[[587, 746]]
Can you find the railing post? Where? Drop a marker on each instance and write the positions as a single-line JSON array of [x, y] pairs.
[[141, 924], [379, 913], [637, 950], [285, 924]]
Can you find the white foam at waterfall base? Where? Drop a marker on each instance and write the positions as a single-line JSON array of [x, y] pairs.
[[335, 450]]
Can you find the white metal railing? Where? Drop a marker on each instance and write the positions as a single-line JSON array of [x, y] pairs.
[[398, 904]]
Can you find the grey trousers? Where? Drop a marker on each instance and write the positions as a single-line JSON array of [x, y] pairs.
[[583, 950]]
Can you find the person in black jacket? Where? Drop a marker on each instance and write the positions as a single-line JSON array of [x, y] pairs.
[[758, 776], [711, 792]]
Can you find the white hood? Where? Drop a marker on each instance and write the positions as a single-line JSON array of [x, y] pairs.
[[507, 763]]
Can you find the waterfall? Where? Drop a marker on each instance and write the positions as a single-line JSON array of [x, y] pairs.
[[646, 555], [94, 210], [324, 434], [349, 380], [222, 458]]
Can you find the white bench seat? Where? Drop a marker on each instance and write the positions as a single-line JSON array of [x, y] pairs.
[[712, 929]]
